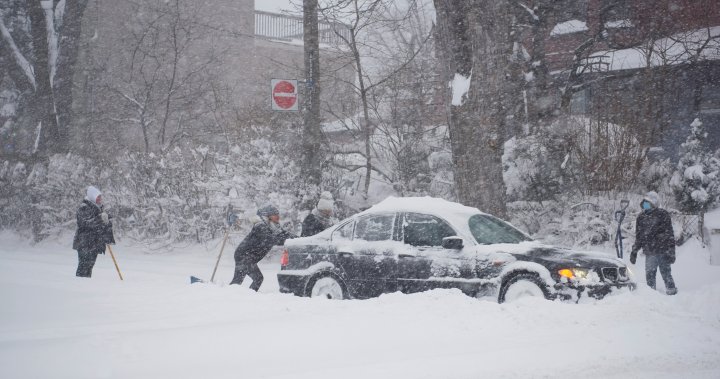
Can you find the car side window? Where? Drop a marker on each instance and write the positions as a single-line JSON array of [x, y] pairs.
[[375, 228], [425, 230], [344, 232]]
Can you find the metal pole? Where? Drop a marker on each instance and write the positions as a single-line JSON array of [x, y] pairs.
[[312, 134]]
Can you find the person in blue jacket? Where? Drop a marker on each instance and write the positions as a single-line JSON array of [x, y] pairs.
[[655, 236]]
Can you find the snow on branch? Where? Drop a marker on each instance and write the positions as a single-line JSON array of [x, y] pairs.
[[59, 14], [26, 67], [52, 37], [532, 12]]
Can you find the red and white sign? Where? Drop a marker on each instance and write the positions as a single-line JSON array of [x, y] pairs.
[[284, 94]]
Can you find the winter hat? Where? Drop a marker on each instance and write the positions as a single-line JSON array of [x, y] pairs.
[[652, 198], [92, 194], [326, 202], [267, 211]]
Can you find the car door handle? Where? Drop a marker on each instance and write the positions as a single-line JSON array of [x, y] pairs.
[[345, 254], [406, 256]]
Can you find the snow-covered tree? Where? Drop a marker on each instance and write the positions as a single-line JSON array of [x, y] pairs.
[[696, 182], [39, 47]]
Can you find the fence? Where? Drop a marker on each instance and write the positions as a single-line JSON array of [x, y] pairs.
[[288, 28]]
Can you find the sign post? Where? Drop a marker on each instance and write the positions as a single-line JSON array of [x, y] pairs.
[[284, 95]]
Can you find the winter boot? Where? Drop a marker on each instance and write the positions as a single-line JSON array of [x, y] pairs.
[[671, 291]]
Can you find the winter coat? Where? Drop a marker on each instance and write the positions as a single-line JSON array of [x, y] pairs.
[[313, 225], [654, 233], [259, 242], [92, 233]]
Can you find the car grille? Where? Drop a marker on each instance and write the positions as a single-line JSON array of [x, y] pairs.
[[614, 274]]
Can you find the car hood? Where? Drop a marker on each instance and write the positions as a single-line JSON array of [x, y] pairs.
[[557, 256]]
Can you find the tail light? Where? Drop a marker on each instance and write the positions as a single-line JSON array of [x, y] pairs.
[[284, 258]]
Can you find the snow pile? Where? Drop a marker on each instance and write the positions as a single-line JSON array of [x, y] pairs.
[[569, 27], [460, 86], [618, 24], [156, 325], [692, 46]]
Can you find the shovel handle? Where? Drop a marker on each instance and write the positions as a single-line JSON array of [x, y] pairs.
[[114, 261], [217, 262]]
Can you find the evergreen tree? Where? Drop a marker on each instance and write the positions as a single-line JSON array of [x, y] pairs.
[[696, 182]]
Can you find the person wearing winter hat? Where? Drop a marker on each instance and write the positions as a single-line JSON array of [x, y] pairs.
[[265, 234], [655, 236], [94, 231], [320, 218]]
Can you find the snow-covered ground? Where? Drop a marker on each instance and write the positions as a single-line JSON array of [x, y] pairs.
[[156, 325]]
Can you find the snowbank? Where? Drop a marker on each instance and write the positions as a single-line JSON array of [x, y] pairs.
[[156, 325]]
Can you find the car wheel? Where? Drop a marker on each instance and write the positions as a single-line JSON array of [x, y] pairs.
[[521, 286], [327, 287]]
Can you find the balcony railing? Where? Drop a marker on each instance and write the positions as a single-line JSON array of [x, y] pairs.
[[287, 28]]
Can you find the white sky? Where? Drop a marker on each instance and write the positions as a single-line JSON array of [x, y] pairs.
[[276, 6]]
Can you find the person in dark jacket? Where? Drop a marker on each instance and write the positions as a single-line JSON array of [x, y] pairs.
[[94, 232], [263, 236], [320, 218], [654, 235]]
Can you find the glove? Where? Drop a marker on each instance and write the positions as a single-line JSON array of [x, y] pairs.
[[105, 218], [633, 256]]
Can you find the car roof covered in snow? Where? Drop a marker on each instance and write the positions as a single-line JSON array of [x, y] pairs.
[[454, 213], [430, 205]]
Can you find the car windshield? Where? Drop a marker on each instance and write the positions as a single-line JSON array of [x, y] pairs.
[[488, 230]]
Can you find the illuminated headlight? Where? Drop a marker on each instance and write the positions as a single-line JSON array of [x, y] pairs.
[[573, 273]]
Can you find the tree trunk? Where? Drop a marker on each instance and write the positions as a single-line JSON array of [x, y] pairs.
[[69, 43], [49, 140], [478, 35], [312, 138]]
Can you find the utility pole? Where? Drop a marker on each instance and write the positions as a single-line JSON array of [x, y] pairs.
[[312, 134]]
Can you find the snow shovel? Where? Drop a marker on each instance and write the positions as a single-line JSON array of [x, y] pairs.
[[619, 217], [114, 261], [195, 279]]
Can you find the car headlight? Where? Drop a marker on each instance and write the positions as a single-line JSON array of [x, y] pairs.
[[573, 273]]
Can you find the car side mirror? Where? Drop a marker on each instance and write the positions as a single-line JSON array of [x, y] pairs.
[[454, 243]]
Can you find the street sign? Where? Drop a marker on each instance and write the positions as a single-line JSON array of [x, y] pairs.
[[284, 94]]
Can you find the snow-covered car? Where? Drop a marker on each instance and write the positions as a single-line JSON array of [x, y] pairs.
[[417, 244]]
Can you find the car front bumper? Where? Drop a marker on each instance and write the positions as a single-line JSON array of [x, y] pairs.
[[570, 291]]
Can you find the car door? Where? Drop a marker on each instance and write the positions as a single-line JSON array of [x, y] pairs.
[[424, 263], [369, 260]]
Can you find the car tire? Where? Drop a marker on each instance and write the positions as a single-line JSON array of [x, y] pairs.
[[522, 285], [327, 286]]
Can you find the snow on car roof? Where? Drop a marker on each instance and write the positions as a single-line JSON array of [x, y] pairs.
[[432, 205], [454, 213]]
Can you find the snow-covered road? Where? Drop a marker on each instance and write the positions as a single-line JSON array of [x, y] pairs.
[[156, 325]]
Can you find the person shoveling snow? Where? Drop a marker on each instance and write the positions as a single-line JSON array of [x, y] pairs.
[[94, 232]]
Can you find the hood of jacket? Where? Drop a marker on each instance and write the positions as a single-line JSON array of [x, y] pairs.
[[92, 194]]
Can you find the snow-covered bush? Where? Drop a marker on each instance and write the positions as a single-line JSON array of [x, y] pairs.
[[179, 196], [566, 221], [530, 171], [654, 176], [572, 156], [696, 182]]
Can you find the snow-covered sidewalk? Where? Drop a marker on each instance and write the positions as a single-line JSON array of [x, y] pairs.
[[156, 325]]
